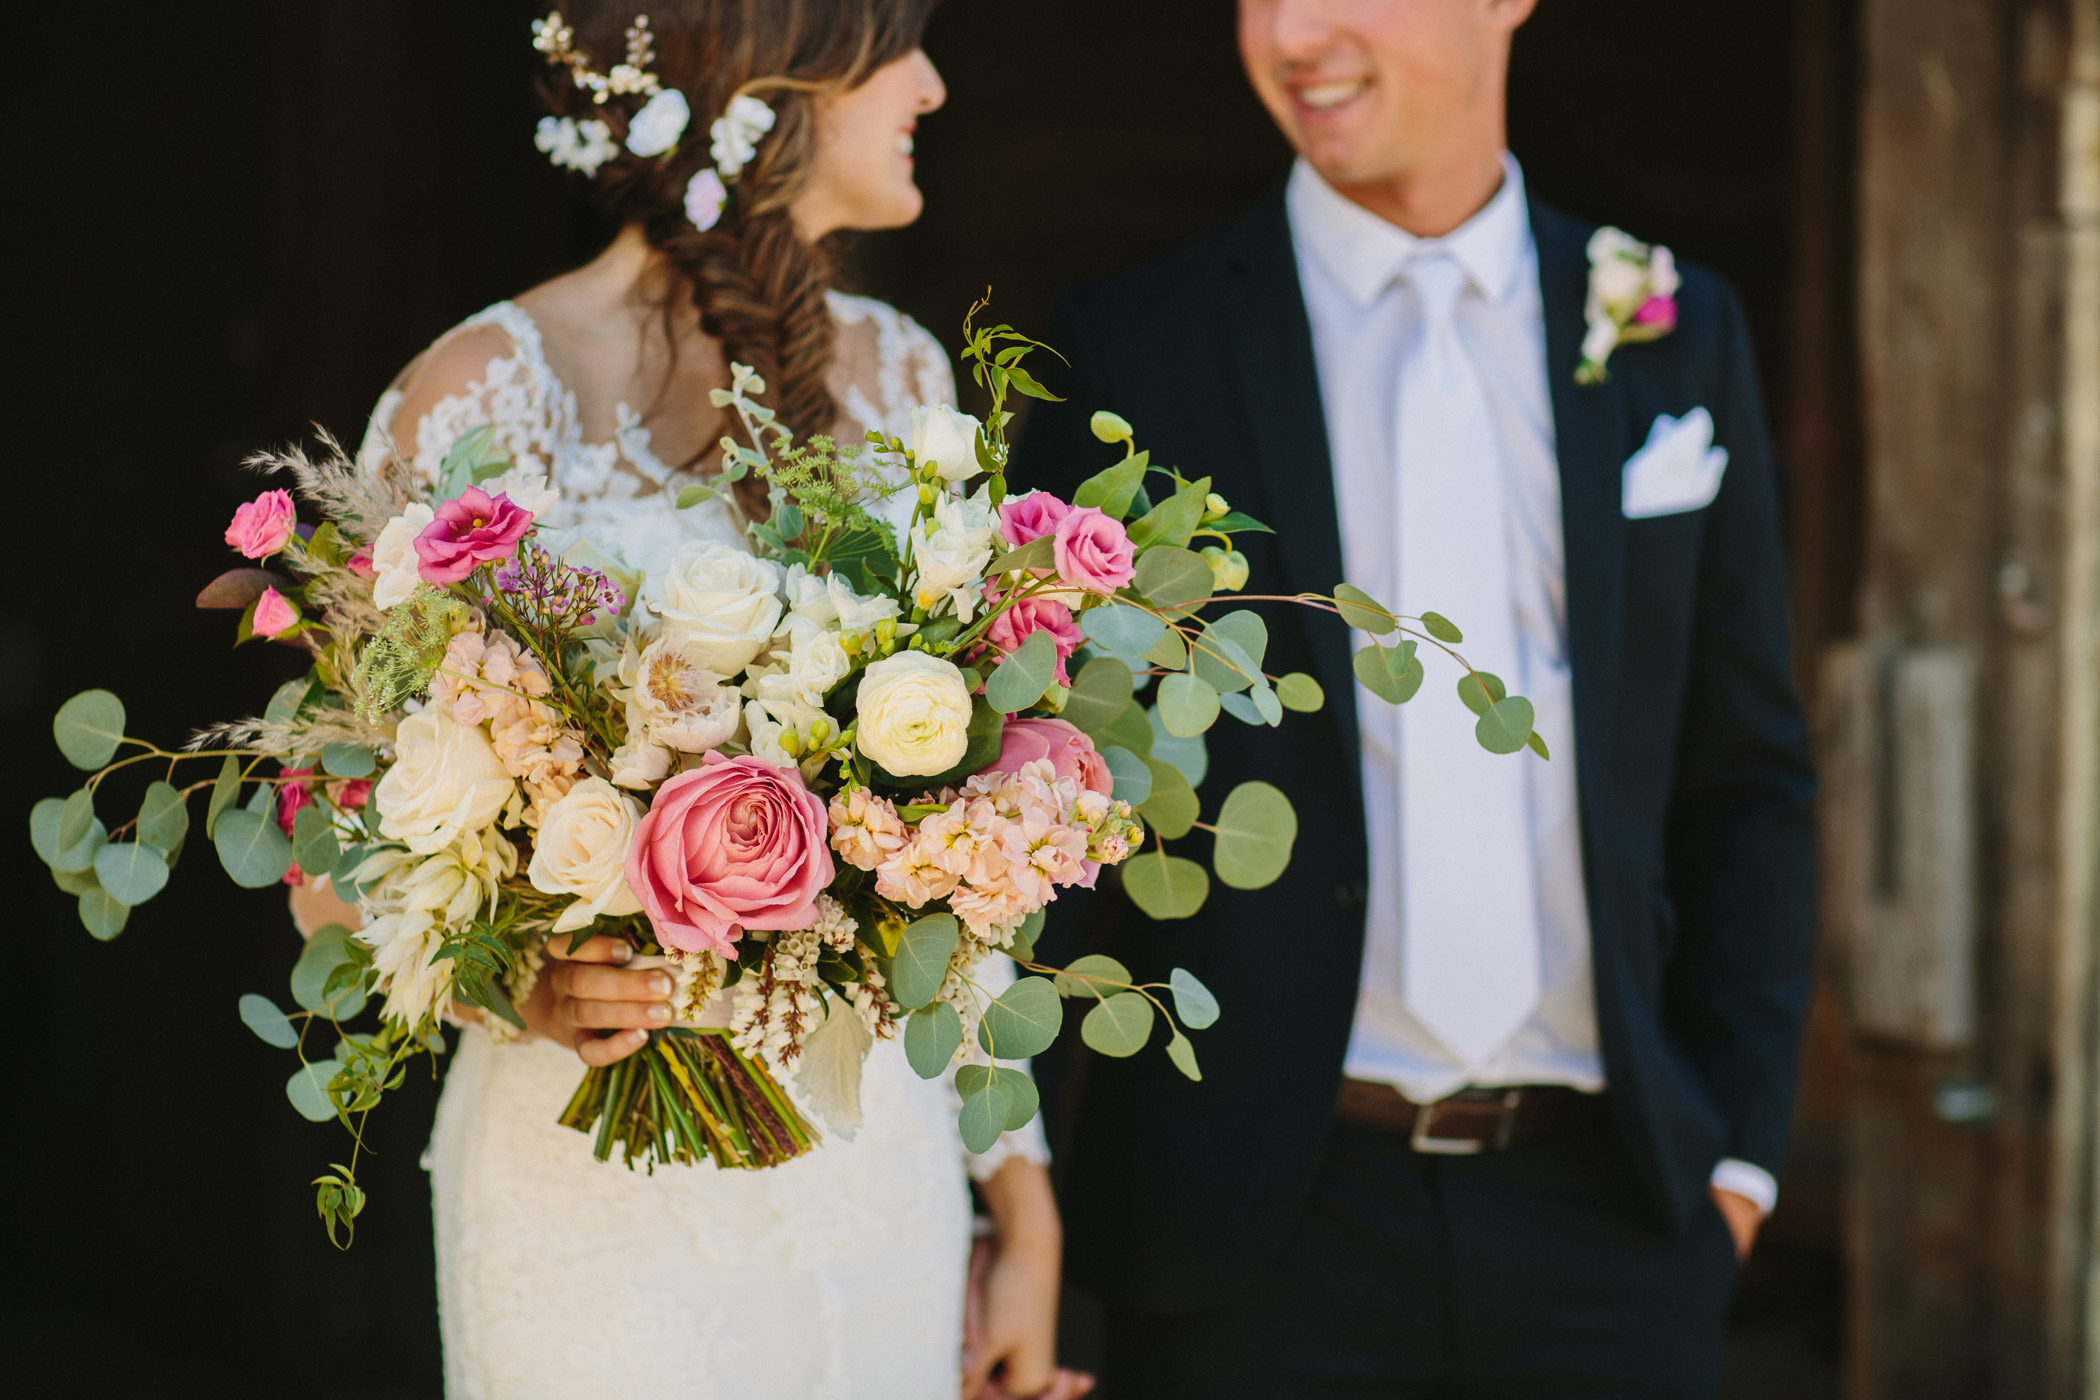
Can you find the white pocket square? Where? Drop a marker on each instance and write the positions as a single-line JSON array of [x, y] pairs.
[[1679, 468]]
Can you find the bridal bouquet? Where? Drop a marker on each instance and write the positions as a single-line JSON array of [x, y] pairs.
[[828, 774]]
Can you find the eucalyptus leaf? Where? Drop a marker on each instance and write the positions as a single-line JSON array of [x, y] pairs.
[[76, 817], [88, 728], [1169, 653], [164, 818], [1164, 886], [1222, 662], [1112, 491], [1505, 726], [327, 950], [1266, 704], [1022, 948], [132, 873], [1075, 979], [932, 1035], [1479, 689], [1173, 579], [1131, 730], [1442, 628], [1026, 672], [1190, 755], [1171, 808], [1300, 692], [308, 1090], [693, 495], [1119, 1026], [314, 846], [44, 819], [76, 882], [1235, 520], [1170, 523], [1100, 694], [1537, 744], [1183, 1054], [1193, 1001], [254, 852], [80, 856], [261, 1015], [1021, 1021], [1122, 628], [1132, 774], [346, 760], [225, 791], [103, 913], [1393, 674], [1255, 831], [984, 1116], [1188, 705], [1360, 610], [287, 700], [1241, 708], [920, 964]]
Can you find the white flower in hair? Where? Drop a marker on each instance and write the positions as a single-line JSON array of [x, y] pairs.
[[574, 145], [658, 126], [704, 198], [736, 134]]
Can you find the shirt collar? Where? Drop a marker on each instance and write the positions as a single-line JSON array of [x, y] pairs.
[[1363, 253]]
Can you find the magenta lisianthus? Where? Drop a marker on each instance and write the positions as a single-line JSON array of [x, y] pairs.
[[733, 844], [261, 527], [1093, 551], [1657, 312], [274, 615], [1030, 517], [1069, 751], [473, 530], [1028, 617]]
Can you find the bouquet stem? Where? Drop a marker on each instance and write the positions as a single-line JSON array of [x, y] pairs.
[[687, 1095]]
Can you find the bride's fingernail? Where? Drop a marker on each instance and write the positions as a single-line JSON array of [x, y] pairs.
[[622, 952], [660, 985], [659, 1012]]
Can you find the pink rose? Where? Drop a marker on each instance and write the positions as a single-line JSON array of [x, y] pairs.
[[1657, 311], [293, 796], [733, 844], [1029, 616], [274, 615], [360, 563], [476, 529], [1030, 517], [1069, 751], [1093, 552], [351, 793], [261, 527]]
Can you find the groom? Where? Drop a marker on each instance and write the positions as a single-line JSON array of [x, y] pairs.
[[1508, 1054]]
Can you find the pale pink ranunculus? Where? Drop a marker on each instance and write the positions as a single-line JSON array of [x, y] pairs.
[[1094, 552], [1029, 616], [733, 844], [1030, 517], [474, 530], [261, 527], [274, 614], [1058, 742], [1657, 311]]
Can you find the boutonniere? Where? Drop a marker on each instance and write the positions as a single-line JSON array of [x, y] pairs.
[[1632, 297]]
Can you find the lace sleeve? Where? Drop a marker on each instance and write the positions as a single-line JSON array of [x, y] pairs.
[[485, 372], [995, 975]]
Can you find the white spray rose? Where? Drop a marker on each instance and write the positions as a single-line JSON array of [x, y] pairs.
[[947, 439], [721, 599], [445, 781], [394, 559], [914, 714], [679, 703], [582, 850], [830, 601], [658, 126], [812, 661], [528, 490], [638, 763], [950, 552]]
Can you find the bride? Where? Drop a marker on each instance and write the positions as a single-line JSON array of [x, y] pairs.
[[842, 1273]]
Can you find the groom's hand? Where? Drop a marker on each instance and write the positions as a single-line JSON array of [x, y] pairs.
[[587, 1001], [1742, 1216]]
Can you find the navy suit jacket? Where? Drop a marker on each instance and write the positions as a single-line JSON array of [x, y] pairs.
[[1694, 779]]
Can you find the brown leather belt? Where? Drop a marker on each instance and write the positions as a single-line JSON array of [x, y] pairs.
[[1471, 1120]]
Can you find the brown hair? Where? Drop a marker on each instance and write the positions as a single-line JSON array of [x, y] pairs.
[[758, 286]]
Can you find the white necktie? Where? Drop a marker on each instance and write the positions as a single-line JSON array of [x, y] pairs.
[[1469, 914]]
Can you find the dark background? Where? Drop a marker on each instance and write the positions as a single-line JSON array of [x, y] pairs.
[[238, 220]]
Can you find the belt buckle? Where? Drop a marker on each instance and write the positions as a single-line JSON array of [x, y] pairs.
[[1421, 1140]]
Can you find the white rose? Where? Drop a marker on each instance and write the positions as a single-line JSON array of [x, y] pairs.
[[446, 780], [947, 439], [528, 490], [394, 558], [657, 127], [678, 702], [1663, 280], [582, 850], [1619, 283], [720, 598], [914, 714]]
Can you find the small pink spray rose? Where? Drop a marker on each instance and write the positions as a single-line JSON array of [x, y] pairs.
[[1029, 616], [1658, 312], [1069, 751], [1093, 552], [274, 614], [261, 527], [476, 529], [1030, 517], [733, 844]]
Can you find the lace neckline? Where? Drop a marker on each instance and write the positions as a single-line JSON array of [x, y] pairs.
[[630, 440]]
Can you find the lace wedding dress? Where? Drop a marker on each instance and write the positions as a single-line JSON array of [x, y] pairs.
[[838, 1274]]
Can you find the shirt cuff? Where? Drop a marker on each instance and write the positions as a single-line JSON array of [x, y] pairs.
[[1748, 1180]]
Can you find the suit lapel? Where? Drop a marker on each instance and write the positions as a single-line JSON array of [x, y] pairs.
[[1269, 354]]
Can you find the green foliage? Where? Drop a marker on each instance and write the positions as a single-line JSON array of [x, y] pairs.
[[346, 760], [1188, 705], [1100, 694], [1255, 831], [932, 1035], [1022, 948], [483, 959], [1193, 1001], [225, 791], [132, 873], [1171, 522], [1442, 628], [1183, 1054], [1121, 628], [43, 827], [1164, 886], [971, 1078], [1359, 609], [1112, 491], [1300, 692], [1537, 744], [1170, 808], [920, 963], [1505, 726], [1132, 774], [1021, 1021], [1190, 755], [398, 662], [1169, 653], [475, 456], [1038, 553], [1131, 730], [102, 913], [314, 845], [315, 985], [1228, 653], [1174, 579], [1095, 975], [1393, 674], [164, 818], [340, 1201], [80, 835], [254, 852], [1480, 689], [1233, 521], [89, 727], [1119, 1026], [1023, 675], [984, 1114], [272, 1026], [308, 1090]]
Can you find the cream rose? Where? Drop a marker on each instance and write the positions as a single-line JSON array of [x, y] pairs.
[[947, 439], [582, 850], [722, 600], [446, 780], [914, 714], [394, 559]]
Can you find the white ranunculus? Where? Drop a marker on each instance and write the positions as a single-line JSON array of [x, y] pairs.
[[528, 490], [679, 703], [947, 438], [1619, 283], [950, 552], [723, 600], [446, 780], [394, 559], [659, 125], [582, 850], [914, 714]]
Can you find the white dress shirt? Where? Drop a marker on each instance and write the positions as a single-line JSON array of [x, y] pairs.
[[1364, 317]]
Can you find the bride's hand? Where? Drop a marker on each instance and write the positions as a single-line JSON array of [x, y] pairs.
[[1011, 1339], [586, 1001]]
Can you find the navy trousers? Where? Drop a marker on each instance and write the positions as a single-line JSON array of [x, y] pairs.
[[1527, 1273]]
